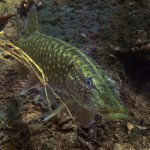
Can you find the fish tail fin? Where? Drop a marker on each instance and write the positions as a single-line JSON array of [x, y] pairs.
[[29, 25]]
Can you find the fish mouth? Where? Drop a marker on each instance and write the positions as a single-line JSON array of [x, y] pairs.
[[111, 115], [117, 116]]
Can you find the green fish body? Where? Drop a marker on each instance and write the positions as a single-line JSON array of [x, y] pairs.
[[72, 72]]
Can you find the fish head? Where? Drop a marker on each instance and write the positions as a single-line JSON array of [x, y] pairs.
[[100, 95]]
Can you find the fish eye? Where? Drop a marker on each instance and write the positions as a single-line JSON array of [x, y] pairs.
[[89, 83]]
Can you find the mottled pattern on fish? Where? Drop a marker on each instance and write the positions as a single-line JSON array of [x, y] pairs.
[[71, 71], [56, 58]]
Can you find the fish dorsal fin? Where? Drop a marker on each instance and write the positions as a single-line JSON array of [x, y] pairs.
[[28, 25], [32, 21]]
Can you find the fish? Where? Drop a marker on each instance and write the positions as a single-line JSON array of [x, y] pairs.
[[72, 72]]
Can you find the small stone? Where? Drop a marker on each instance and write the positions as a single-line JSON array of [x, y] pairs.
[[147, 46], [138, 41], [40, 4], [25, 6], [83, 35], [68, 126], [117, 48]]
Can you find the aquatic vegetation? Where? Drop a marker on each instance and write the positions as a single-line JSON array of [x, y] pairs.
[[8, 7]]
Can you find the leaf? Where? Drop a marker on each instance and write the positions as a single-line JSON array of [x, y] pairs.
[[130, 127]]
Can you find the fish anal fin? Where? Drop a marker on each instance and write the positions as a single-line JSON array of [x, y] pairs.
[[30, 83]]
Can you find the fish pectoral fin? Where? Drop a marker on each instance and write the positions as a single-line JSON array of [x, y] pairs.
[[84, 116], [30, 83], [50, 95], [54, 113]]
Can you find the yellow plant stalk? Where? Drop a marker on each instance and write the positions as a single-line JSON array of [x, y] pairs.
[[22, 57]]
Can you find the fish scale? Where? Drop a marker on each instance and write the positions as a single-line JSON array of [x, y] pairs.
[[54, 53], [72, 71]]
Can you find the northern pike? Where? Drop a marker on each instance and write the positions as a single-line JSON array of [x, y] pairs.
[[72, 72]]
